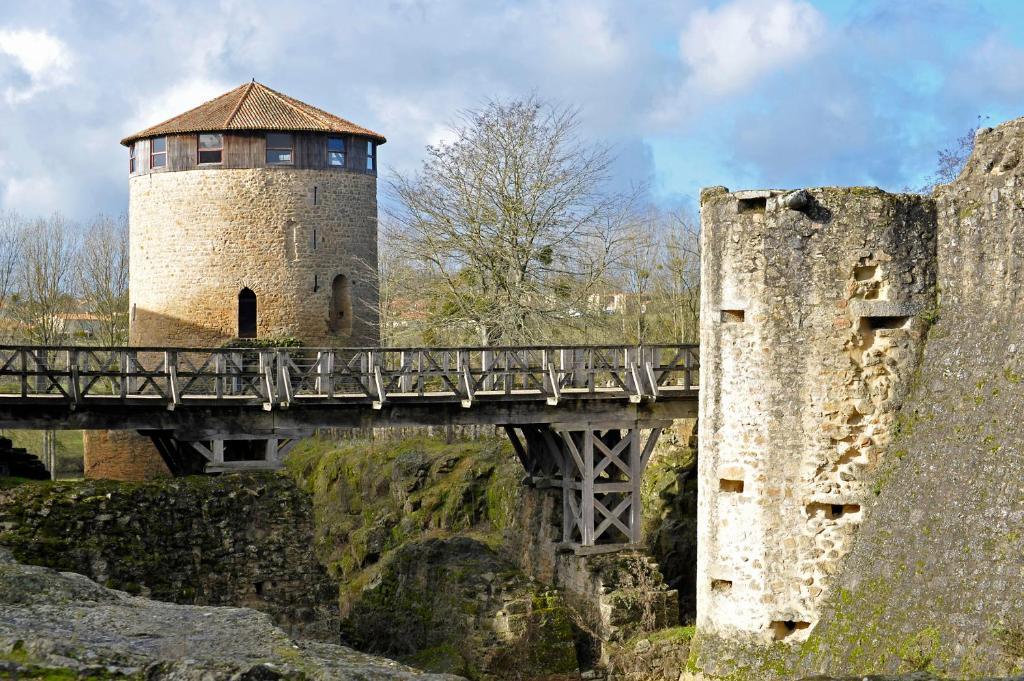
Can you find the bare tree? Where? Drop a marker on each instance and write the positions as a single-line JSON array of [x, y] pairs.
[[11, 227], [103, 277], [638, 272], [45, 280], [952, 159], [679, 287], [512, 220], [45, 295]]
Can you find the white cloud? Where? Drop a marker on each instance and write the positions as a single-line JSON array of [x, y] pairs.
[[728, 47], [33, 195], [45, 60]]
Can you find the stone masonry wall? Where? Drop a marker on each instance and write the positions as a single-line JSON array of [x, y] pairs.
[[121, 455], [243, 540], [810, 331], [198, 237]]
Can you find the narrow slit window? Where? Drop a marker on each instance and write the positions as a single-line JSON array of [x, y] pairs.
[[371, 155], [133, 156], [336, 152], [211, 147], [158, 152], [280, 149]]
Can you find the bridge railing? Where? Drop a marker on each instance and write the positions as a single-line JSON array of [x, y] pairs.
[[282, 376]]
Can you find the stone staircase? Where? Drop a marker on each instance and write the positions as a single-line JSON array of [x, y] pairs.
[[18, 463]]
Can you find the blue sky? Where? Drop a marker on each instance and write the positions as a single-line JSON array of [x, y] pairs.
[[745, 93]]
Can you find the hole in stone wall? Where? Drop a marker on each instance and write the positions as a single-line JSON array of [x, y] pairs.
[[758, 204], [259, 588], [831, 511], [734, 486], [784, 629], [733, 316], [865, 272], [721, 585], [876, 323]]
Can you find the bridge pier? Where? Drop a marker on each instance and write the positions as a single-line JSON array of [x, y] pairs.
[[599, 467]]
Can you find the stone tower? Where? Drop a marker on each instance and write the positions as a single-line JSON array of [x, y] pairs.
[[252, 216], [812, 318]]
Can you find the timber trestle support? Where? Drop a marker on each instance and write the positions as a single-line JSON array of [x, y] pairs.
[[599, 467]]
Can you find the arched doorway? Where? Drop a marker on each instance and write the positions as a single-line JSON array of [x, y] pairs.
[[341, 306], [246, 314]]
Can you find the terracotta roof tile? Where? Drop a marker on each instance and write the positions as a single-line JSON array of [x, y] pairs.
[[254, 106]]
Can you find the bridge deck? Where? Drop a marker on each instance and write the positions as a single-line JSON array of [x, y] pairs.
[[200, 393]]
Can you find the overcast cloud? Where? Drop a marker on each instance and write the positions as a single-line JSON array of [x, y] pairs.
[[689, 93]]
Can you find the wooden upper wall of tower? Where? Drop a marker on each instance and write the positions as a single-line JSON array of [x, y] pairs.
[[253, 126], [249, 150]]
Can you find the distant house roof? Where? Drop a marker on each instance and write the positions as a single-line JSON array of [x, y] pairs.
[[254, 106]]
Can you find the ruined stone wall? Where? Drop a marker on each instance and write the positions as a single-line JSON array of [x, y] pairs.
[[242, 540], [810, 329], [935, 581], [199, 237]]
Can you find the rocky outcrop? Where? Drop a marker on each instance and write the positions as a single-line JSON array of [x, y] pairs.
[[455, 604], [413, 532], [243, 540], [64, 626]]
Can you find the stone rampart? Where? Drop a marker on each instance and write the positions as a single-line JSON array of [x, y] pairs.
[[911, 467], [935, 577]]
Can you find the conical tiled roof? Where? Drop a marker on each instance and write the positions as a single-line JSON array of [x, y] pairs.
[[254, 106]]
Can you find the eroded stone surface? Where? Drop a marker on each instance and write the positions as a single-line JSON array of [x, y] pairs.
[[66, 621]]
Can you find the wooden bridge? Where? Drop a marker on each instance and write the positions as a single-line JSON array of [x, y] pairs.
[[583, 418]]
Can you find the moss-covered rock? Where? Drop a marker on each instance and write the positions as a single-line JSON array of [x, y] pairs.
[[412, 531], [669, 497], [454, 605]]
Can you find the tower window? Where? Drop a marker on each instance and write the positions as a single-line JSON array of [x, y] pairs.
[[341, 305], [133, 155], [246, 313], [280, 149], [158, 152], [336, 151], [211, 147], [371, 155]]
